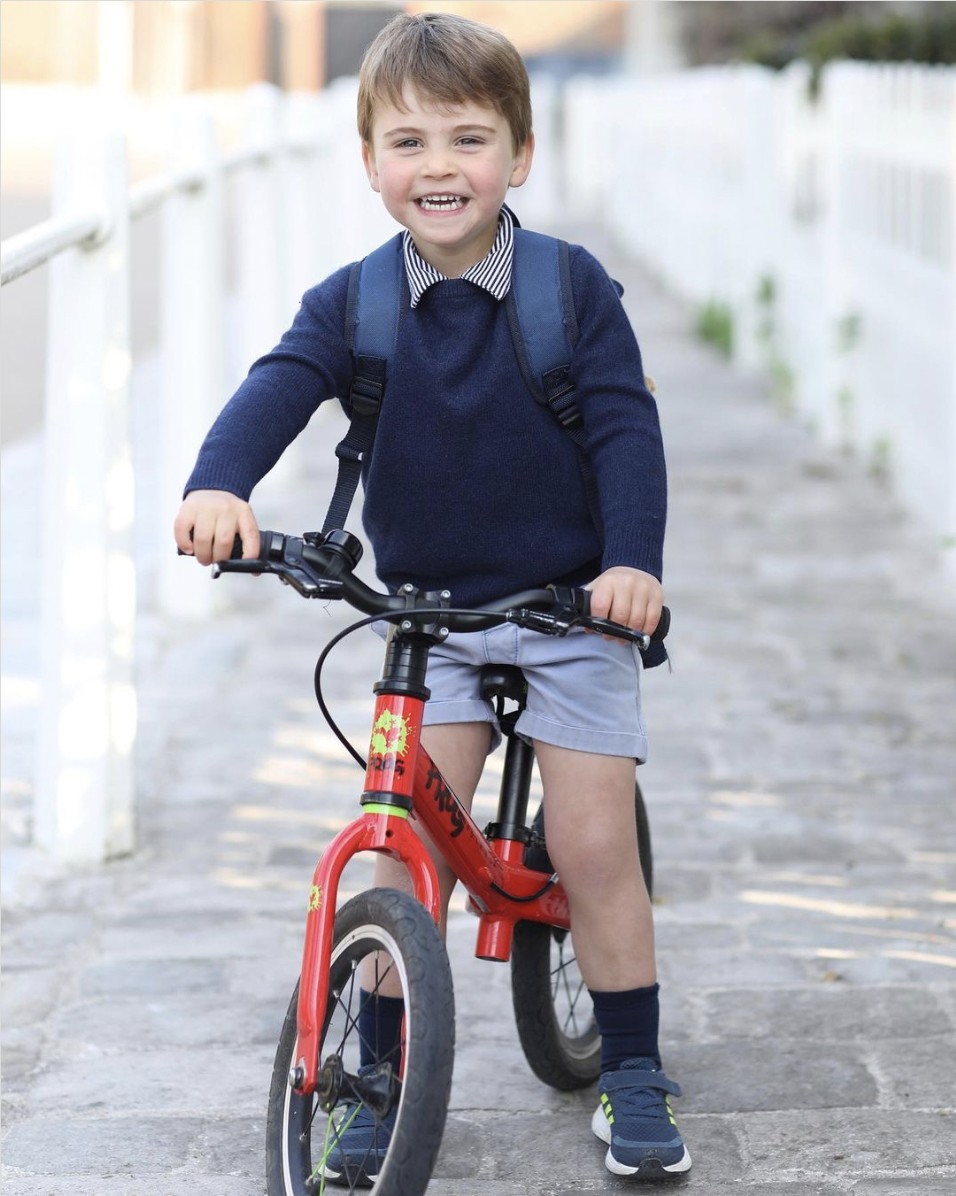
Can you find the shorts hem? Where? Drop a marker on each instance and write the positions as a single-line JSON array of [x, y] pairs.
[[582, 739], [463, 710]]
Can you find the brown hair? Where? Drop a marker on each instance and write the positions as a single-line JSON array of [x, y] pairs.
[[448, 59]]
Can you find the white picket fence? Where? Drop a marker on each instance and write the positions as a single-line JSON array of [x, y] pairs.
[[825, 228]]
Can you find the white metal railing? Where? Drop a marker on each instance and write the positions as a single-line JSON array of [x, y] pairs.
[[25, 251], [287, 234], [824, 227], [299, 206]]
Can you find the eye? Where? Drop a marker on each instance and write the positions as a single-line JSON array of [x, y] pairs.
[[408, 143], [470, 140]]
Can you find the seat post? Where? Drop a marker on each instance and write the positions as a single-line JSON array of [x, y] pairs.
[[499, 683], [515, 788]]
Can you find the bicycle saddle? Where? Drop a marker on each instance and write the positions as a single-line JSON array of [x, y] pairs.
[[502, 680]]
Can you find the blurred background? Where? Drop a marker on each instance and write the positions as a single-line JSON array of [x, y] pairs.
[[788, 170], [141, 54]]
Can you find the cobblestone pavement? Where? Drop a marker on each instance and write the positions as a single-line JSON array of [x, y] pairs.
[[800, 790]]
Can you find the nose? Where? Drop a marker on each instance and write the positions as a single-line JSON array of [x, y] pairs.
[[438, 164]]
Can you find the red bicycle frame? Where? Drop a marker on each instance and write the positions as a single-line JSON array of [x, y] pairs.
[[402, 782]]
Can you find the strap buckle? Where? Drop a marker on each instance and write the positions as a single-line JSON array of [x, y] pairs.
[[559, 390], [347, 451], [365, 396], [565, 408]]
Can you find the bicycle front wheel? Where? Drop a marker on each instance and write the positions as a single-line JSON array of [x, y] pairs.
[[553, 1009], [382, 938]]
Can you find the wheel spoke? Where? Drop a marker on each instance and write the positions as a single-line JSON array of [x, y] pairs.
[[562, 983], [389, 940]]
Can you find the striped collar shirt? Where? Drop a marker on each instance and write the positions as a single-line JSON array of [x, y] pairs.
[[492, 272]]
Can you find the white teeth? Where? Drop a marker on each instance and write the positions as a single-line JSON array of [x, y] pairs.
[[440, 203]]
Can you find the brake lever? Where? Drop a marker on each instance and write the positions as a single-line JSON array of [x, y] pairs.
[[547, 622], [299, 579], [606, 627], [253, 566], [309, 587], [561, 621]]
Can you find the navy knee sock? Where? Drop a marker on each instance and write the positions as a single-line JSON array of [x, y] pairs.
[[628, 1022], [380, 1029]]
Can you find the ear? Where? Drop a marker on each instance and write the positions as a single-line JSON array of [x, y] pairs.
[[368, 161], [522, 162]]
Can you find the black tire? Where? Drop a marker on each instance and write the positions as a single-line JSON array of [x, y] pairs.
[[644, 839], [552, 1005], [380, 920]]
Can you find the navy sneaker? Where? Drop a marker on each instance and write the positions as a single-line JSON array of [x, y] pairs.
[[357, 1143], [634, 1118]]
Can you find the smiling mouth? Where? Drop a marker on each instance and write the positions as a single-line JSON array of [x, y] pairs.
[[441, 203]]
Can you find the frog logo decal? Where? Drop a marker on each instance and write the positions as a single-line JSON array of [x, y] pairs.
[[390, 735]]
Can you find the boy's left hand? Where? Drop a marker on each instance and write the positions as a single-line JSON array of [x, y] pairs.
[[628, 596]]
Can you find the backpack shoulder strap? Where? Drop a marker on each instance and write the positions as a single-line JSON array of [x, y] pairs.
[[544, 329], [373, 307], [372, 317], [540, 308]]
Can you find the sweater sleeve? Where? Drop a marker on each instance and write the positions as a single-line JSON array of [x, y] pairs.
[[621, 424], [280, 394]]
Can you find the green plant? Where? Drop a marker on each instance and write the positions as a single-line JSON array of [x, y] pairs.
[[926, 34], [781, 374], [766, 297], [715, 325], [845, 403], [881, 458], [849, 331], [782, 379], [766, 291]]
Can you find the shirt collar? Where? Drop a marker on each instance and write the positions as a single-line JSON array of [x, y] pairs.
[[493, 272]]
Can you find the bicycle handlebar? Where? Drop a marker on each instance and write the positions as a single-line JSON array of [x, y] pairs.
[[318, 567]]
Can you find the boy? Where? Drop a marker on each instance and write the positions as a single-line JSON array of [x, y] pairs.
[[444, 116]]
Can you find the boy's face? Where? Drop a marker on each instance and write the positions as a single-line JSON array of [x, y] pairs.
[[443, 174]]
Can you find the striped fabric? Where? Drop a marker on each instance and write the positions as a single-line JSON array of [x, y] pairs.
[[492, 272]]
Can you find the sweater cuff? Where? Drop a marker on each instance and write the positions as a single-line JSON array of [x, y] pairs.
[[636, 549], [222, 476]]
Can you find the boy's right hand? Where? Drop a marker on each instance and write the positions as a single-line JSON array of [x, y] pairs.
[[208, 523]]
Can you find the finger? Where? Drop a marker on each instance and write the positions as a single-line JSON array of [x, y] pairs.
[[622, 604], [619, 607], [183, 532], [634, 616], [249, 531], [631, 613], [602, 595], [225, 537], [204, 531], [655, 607]]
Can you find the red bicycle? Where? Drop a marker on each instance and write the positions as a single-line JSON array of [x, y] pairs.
[[383, 935]]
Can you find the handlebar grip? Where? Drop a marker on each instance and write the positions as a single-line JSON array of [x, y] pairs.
[[235, 563], [235, 555], [580, 599]]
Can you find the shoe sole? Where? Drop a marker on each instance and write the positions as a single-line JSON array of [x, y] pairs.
[[649, 1168], [349, 1177]]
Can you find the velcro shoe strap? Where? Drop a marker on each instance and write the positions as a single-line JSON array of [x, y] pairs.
[[633, 1078]]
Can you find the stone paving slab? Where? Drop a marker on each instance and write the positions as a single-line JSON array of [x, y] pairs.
[[800, 790]]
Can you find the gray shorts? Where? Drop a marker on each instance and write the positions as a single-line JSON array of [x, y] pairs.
[[584, 692]]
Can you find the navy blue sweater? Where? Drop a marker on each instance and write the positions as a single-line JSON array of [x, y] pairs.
[[471, 484]]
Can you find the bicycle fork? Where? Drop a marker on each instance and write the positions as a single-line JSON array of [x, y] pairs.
[[382, 827]]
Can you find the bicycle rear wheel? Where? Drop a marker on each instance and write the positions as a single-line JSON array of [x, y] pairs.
[[553, 1009], [396, 933]]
